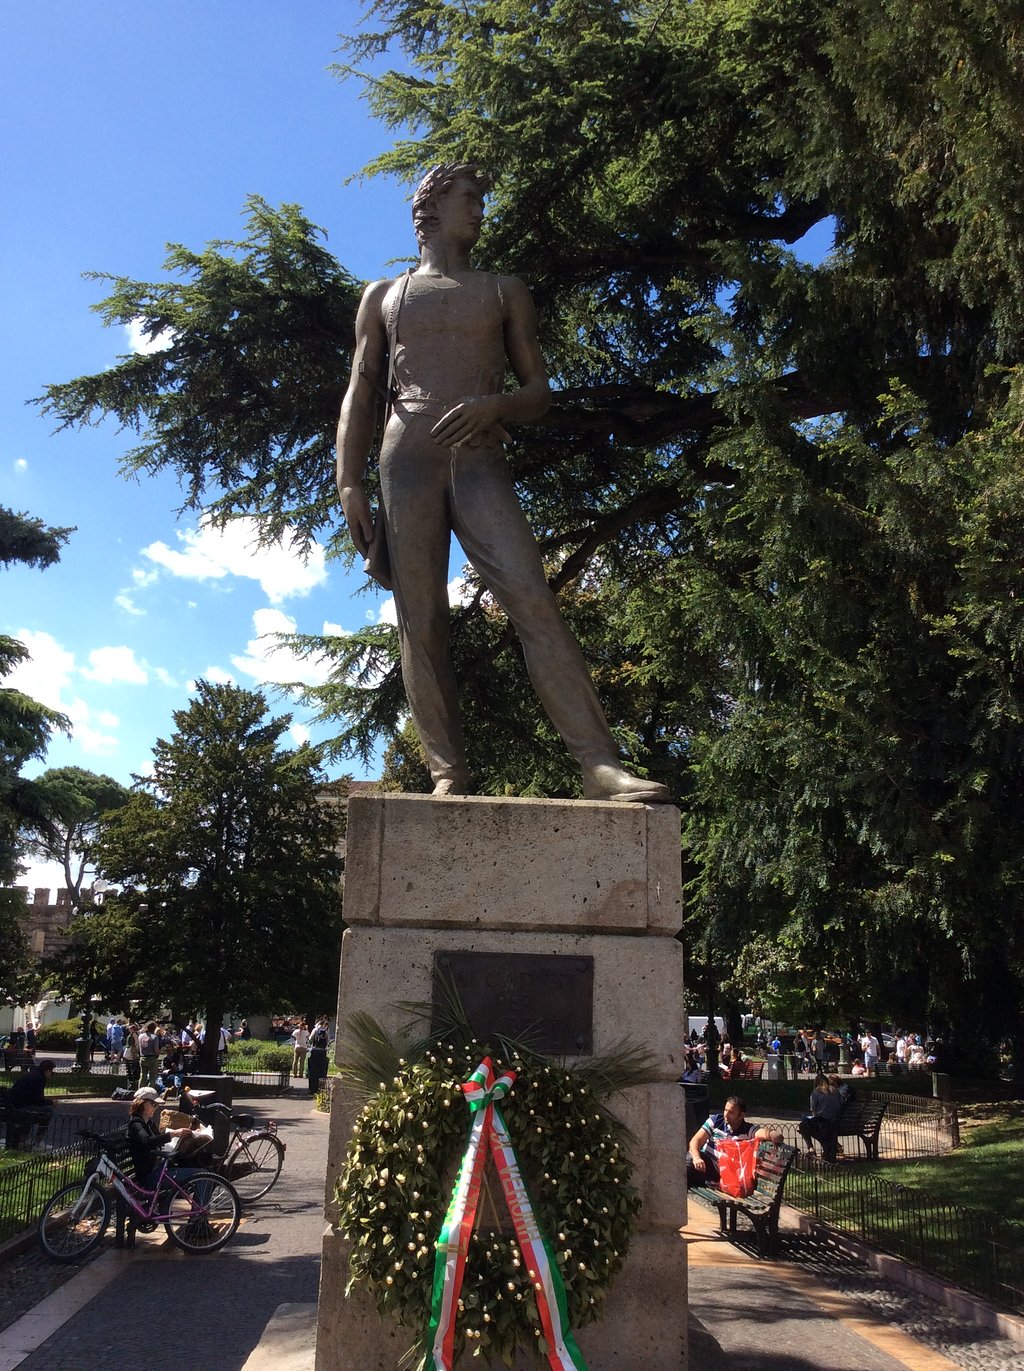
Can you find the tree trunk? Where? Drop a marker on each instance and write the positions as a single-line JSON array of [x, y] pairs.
[[208, 1063]]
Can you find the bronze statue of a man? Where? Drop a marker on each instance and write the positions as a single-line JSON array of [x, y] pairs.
[[443, 336]]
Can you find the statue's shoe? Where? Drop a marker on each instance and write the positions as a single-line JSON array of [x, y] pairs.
[[610, 782], [450, 785]]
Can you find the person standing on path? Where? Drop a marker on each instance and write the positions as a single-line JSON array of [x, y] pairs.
[[439, 341], [869, 1046], [300, 1042], [319, 1041]]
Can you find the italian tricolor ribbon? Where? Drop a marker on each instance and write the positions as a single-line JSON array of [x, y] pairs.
[[487, 1131]]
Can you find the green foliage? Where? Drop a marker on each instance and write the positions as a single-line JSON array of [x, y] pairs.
[[242, 401], [781, 501], [28, 540], [58, 1036], [253, 1055], [73, 802], [226, 859], [401, 1163], [25, 729]]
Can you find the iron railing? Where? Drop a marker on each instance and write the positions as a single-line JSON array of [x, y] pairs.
[[974, 1249], [913, 1126], [26, 1186], [54, 1134]]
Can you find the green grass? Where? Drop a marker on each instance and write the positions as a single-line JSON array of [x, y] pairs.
[[911, 1215], [984, 1173]]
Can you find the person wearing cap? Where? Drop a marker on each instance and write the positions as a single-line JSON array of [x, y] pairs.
[[144, 1138]]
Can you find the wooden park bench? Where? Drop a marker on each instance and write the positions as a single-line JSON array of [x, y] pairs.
[[22, 1126], [863, 1119], [762, 1207], [747, 1071], [18, 1058]]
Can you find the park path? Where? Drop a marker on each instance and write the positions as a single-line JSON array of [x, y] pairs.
[[164, 1309]]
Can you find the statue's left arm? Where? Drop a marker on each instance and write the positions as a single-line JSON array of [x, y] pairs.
[[473, 417]]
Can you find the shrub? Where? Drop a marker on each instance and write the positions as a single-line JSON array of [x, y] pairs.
[[59, 1036], [255, 1055]]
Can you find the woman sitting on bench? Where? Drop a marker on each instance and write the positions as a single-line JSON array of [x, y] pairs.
[[827, 1104]]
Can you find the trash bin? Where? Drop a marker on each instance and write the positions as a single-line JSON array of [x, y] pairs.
[[223, 1088], [772, 1068], [698, 1099]]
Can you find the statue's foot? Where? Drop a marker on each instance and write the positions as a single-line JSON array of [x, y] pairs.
[[607, 781], [451, 785]]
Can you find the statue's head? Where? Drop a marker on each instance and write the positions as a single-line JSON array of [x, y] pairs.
[[436, 184]]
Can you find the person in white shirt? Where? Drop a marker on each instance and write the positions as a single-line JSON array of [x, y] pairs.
[[300, 1043], [869, 1046]]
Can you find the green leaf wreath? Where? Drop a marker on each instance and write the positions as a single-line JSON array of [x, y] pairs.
[[401, 1163]]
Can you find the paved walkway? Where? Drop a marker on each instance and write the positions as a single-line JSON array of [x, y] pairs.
[[163, 1309], [252, 1307]]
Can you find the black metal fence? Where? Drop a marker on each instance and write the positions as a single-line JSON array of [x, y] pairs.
[[30, 1131], [973, 1249], [26, 1186], [913, 1126]]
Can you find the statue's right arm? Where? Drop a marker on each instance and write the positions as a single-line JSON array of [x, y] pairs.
[[359, 413]]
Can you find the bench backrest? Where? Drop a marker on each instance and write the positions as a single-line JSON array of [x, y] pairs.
[[862, 1116], [773, 1163]]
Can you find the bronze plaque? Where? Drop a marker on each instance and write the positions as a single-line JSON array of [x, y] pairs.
[[546, 1001]]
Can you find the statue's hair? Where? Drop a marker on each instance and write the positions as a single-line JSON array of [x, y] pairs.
[[437, 182]]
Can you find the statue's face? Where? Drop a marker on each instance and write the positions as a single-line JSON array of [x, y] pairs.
[[460, 212]]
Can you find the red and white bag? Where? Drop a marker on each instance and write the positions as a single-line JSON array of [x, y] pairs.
[[737, 1166]]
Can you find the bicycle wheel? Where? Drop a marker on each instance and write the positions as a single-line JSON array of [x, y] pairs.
[[206, 1216], [73, 1222], [254, 1165]]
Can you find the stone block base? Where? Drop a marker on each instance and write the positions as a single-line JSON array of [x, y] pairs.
[[643, 1325]]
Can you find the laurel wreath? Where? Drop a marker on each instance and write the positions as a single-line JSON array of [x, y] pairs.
[[401, 1163]]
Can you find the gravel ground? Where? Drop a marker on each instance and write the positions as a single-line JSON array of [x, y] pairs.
[[920, 1318]]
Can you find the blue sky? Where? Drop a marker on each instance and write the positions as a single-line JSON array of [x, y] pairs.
[[128, 126]]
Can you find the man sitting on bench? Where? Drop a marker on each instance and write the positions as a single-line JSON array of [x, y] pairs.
[[701, 1160], [27, 1106]]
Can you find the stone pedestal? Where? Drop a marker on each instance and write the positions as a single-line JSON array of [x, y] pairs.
[[569, 878]]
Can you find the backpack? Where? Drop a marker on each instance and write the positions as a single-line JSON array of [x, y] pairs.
[[318, 1038]]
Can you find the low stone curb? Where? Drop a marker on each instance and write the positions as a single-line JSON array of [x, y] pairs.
[[971, 1308]]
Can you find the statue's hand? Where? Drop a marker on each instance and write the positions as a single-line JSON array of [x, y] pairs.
[[358, 516], [469, 420]]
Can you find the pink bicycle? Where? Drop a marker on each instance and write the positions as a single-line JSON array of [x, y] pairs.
[[200, 1214]]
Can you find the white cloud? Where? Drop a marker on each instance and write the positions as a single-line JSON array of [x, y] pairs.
[[388, 614], [47, 677], [90, 738], [299, 734], [47, 672], [20, 464], [211, 554], [110, 664], [218, 676], [141, 578], [124, 601], [164, 676], [271, 663], [139, 340]]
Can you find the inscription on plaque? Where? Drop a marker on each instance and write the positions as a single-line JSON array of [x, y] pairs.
[[547, 1001]]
